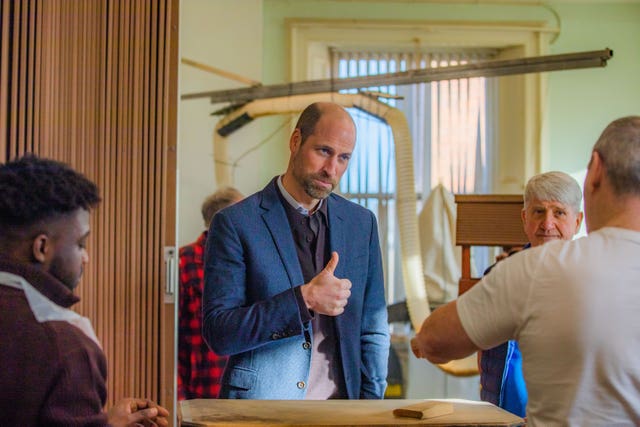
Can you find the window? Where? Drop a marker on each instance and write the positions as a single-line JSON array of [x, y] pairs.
[[449, 129], [520, 143]]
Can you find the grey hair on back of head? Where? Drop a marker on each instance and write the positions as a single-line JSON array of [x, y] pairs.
[[619, 149], [217, 201]]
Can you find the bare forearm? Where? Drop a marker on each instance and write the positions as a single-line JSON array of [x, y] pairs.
[[442, 337]]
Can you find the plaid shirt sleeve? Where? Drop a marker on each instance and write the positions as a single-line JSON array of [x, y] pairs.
[[199, 368]]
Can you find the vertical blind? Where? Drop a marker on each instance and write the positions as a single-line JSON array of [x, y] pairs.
[[93, 83], [448, 121]]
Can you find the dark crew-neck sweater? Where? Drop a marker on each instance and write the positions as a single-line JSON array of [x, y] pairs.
[[311, 237]]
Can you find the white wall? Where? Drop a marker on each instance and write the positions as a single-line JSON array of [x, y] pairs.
[[226, 35]]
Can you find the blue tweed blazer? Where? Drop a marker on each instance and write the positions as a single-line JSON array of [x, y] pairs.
[[251, 313]]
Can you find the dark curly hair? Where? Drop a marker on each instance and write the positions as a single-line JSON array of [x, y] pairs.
[[33, 189]]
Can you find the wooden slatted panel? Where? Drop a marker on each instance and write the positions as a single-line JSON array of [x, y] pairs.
[[486, 220], [489, 220], [87, 82]]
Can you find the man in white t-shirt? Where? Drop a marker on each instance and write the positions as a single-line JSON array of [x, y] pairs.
[[572, 306]]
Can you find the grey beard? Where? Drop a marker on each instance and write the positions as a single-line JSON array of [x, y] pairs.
[[316, 192]]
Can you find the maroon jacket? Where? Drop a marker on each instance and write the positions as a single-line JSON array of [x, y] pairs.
[[51, 374]]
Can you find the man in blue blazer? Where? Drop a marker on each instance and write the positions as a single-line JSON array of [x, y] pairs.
[[294, 289]]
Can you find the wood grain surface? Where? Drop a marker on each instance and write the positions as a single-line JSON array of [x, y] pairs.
[[261, 413]]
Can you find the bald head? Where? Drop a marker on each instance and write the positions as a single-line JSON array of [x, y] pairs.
[[311, 115]]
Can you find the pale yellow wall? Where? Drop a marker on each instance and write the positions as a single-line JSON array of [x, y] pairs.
[[225, 34], [583, 102]]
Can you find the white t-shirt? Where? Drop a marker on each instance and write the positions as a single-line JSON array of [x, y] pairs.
[[574, 308]]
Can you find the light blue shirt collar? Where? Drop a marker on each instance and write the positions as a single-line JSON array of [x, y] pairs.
[[293, 202]]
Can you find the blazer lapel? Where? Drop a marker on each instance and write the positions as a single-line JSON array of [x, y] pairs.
[[337, 235], [337, 232], [276, 221]]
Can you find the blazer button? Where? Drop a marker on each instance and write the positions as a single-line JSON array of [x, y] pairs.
[[306, 345], [301, 384]]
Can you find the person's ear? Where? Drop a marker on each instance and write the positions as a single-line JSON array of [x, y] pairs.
[[295, 140], [578, 221], [523, 216], [595, 172], [41, 248]]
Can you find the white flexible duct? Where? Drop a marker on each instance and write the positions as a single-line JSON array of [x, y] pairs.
[[412, 272]]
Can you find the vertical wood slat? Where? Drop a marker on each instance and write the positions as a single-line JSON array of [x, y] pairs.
[[72, 92], [13, 103], [5, 11], [144, 153], [38, 81], [85, 83], [158, 158], [99, 154], [53, 148], [131, 179], [110, 141], [21, 87], [168, 322], [119, 383], [134, 52], [153, 92], [30, 48]]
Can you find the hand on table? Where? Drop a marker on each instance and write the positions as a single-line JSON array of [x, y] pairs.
[[130, 412]]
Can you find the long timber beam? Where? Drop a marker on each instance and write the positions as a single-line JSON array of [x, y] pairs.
[[535, 64]]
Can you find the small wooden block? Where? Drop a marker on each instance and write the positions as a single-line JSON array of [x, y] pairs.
[[424, 410]]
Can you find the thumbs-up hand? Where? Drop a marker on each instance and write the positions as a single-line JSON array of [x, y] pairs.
[[325, 293]]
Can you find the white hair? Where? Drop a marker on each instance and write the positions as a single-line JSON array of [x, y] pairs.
[[554, 186]]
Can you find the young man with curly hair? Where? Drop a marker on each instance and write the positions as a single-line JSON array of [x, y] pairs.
[[53, 368]]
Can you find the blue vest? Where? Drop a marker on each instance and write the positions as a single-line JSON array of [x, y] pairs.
[[502, 382], [501, 378]]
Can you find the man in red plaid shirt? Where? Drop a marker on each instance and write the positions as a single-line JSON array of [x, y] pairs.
[[199, 368]]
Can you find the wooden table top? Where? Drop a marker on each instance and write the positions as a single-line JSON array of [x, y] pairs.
[[261, 413]]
